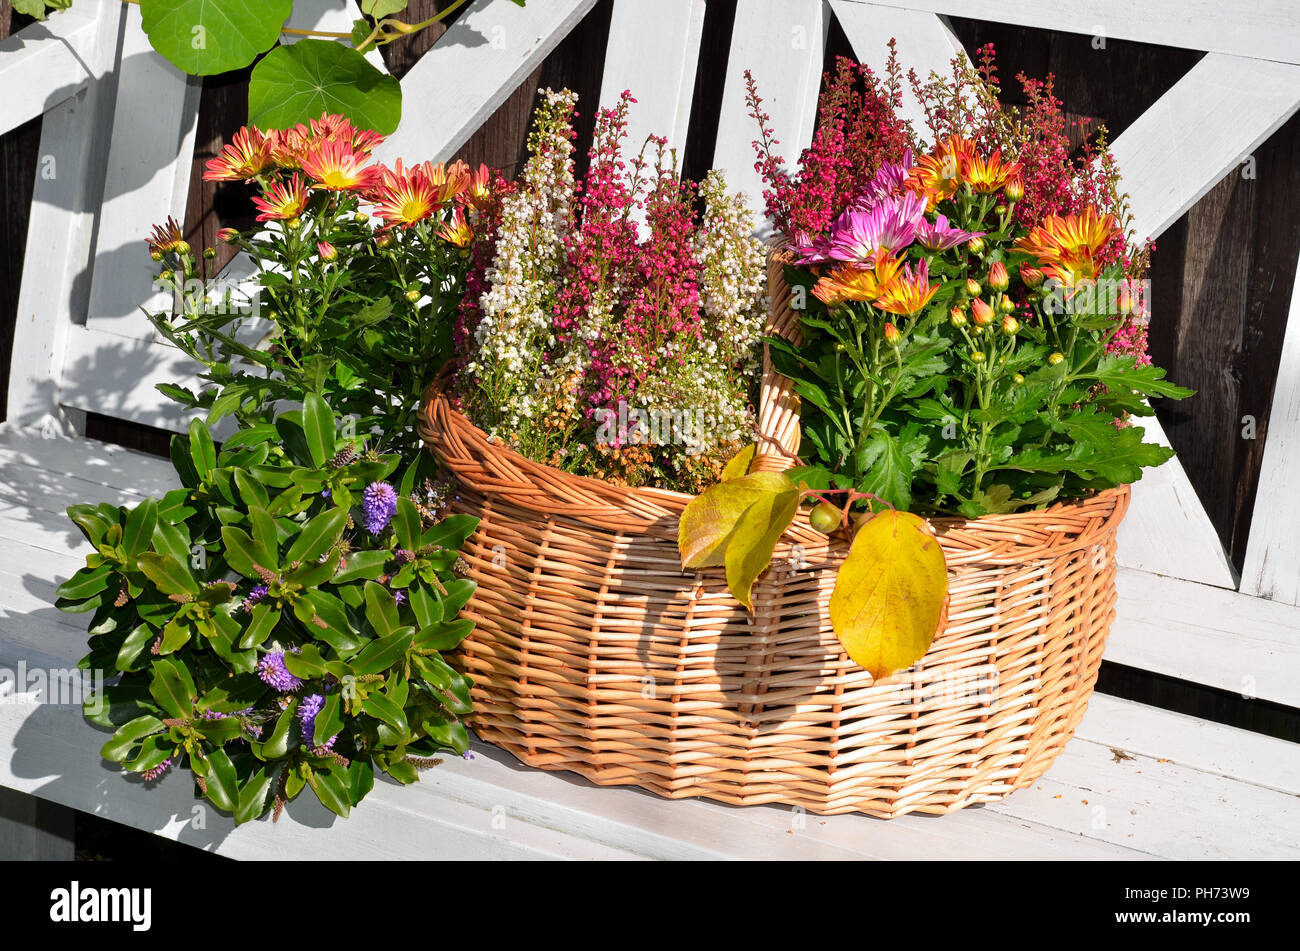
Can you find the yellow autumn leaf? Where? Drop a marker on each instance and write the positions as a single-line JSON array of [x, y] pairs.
[[709, 521], [740, 462], [891, 596], [749, 550]]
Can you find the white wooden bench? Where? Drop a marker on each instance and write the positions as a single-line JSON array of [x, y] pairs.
[[1136, 782]]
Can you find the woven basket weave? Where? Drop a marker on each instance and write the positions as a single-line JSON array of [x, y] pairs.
[[594, 653]]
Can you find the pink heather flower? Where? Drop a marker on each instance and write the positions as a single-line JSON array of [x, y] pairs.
[[940, 236]]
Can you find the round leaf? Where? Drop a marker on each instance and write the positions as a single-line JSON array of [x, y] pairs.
[[293, 84], [891, 596], [205, 37]]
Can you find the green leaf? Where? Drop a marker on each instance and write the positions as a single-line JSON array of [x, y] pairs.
[[251, 491], [241, 553], [361, 779], [1122, 372], [318, 424], [223, 783], [173, 688], [264, 619], [206, 37], [203, 452], [253, 796], [128, 736], [338, 632], [307, 663], [709, 521], [331, 790], [86, 583], [296, 83], [363, 564], [383, 653], [381, 609], [382, 8], [739, 464], [406, 523], [140, 526], [318, 538], [385, 711], [170, 575], [92, 524], [451, 532], [329, 721], [282, 738], [151, 755], [443, 636]]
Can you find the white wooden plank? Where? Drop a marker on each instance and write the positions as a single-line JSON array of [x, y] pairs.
[[146, 182], [1272, 565], [925, 43], [1167, 530], [55, 285], [782, 42], [47, 63], [1207, 635], [471, 70], [1267, 29], [653, 52], [1199, 131], [1188, 741], [124, 469]]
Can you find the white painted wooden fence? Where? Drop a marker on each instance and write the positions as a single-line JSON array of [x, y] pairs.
[[116, 149]]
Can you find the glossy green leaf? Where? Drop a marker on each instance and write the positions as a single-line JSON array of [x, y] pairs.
[[170, 575], [296, 83], [206, 37]]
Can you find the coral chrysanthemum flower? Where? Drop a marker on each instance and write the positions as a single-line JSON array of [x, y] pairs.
[[908, 292], [1067, 247], [449, 181], [853, 282], [334, 166], [332, 127], [457, 231], [246, 157], [167, 238], [404, 198], [478, 193], [288, 146], [936, 177], [988, 175], [283, 200]]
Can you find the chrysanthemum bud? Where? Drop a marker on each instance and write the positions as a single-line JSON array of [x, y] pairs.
[[1018, 379], [978, 356], [293, 224], [182, 248], [209, 253], [1055, 359], [361, 217], [1015, 190], [228, 235], [1031, 276], [1006, 304], [1125, 301], [413, 294], [973, 287], [166, 276], [892, 336], [383, 240], [156, 255], [958, 317], [1010, 325], [326, 251], [981, 312], [976, 245], [998, 279]]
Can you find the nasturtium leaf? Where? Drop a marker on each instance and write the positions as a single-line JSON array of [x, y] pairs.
[[382, 8], [709, 521], [206, 37], [293, 84], [740, 462], [891, 596], [750, 549]]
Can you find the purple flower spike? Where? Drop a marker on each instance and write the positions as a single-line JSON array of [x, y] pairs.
[[307, 710], [254, 596], [379, 502], [274, 674], [399, 597], [149, 775]]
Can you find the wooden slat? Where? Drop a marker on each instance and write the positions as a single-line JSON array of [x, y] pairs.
[[64, 200], [1207, 635], [146, 181], [653, 51], [1167, 530], [925, 43], [782, 42], [45, 64], [1267, 29], [471, 70], [1198, 131], [1272, 566]]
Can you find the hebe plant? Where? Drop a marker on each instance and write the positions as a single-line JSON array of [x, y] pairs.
[[277, 623]]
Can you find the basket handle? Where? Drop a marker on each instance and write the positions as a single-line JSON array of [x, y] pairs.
[[778, 410]]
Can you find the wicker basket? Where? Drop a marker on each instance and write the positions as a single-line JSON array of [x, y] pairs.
[[594, 653]]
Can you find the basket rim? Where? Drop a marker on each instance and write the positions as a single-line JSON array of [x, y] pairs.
[[622, 503]]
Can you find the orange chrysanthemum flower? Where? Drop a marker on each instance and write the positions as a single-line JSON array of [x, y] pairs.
[[936, 177], [289, 146], [449, 181], [988, 175], [167, 238], [283, 200], [1067, 247], [456, 232], [852, 282], [907, 293], [404, 198], [334, 166], [478, 193], [246, 157], [337, 128]]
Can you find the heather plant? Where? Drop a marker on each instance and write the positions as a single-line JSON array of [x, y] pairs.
[[278, 622], [614, 331], [972, 337]]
